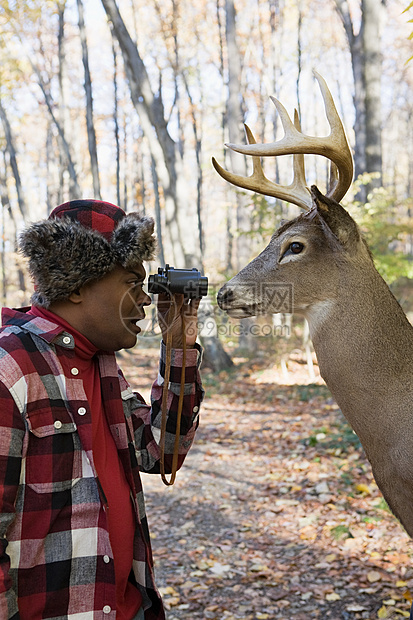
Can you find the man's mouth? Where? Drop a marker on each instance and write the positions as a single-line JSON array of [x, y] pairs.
[[135, 321]]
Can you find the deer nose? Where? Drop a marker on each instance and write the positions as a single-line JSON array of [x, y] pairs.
[[225, 296]]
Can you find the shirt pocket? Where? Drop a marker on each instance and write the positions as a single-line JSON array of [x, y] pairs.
[[53, 460]]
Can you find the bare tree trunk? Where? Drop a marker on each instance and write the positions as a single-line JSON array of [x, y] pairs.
[[116, 117], [155, 183], [63, 110], [6, 206], [372, 16], [49, 151], [177, 102], [276, 24], [299, 55], [11, 150], [91, 134], [235, 117], [366, 61], [229, 216], [198, 155], [125, 163]]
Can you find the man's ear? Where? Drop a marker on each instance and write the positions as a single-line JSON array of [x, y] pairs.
[[337, 219], [77, 296]]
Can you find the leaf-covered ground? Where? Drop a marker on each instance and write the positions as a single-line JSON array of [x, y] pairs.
[[275, 514]]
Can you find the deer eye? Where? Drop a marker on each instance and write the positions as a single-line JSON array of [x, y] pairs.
[[296, 247]]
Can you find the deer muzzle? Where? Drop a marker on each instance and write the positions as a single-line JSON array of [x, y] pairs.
[[233, 302]]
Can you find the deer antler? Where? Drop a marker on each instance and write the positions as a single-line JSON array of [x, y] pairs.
[[335, 147], [297, 192]]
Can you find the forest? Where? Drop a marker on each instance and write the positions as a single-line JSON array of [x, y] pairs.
[[276, 514]]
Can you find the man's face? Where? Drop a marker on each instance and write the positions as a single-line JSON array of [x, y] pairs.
[[111, 307]]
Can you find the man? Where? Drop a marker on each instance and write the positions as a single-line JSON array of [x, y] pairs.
[[73, 436]]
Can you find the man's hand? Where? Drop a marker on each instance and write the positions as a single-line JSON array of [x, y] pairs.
[[170, 313]]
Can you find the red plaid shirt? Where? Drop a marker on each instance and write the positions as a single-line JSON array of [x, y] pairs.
[[54, 542]]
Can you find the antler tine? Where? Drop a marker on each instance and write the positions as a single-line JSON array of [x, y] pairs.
[[296, 193], [334, 146], [298, 160], [333, 180], [341, 175]]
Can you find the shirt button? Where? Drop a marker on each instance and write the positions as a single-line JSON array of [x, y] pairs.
[[195, 409], [58, 424], [81, 411], [66, 340], [106, 559], [74, 371], [107, 609]]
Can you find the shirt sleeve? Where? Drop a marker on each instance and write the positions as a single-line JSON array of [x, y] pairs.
[[147, 418], [12, 431]]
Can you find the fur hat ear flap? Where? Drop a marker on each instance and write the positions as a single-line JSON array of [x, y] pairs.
[[133, 241]]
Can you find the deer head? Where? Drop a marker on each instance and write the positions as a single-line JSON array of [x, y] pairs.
[[302, 253]]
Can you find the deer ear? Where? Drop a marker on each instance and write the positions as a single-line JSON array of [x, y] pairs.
[[336, 217]]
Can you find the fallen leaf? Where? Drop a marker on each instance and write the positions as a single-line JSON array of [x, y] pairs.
[[356, 608], [333, 597], [258, 568], [220, 569], [363, 488], [168, 591], [171, 602], [373, 576], [408, 596]]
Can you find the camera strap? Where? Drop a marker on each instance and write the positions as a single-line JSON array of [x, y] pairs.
[[164, 404]]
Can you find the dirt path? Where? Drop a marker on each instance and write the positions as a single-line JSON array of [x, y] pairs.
[[275, 514]]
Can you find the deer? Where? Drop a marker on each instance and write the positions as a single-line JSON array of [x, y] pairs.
[[362, 339]]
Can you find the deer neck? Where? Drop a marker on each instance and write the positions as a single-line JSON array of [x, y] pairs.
[[364, 347]]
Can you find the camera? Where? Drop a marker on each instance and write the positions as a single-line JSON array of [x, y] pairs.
[[188, 282]]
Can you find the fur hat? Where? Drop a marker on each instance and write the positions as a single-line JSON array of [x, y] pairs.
[[81, 241]]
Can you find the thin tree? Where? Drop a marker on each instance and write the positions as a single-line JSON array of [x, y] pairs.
[[116, 116], [234, 120], [11, 150], [366, 59], [91, 133]]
